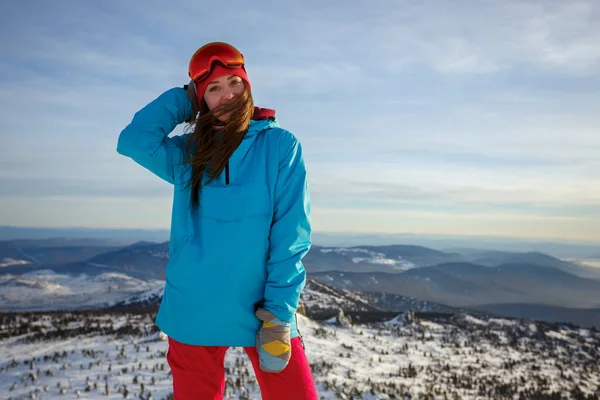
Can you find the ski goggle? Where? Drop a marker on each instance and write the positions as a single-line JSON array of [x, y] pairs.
[[206, 56]]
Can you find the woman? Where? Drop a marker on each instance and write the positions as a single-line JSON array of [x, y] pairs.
[[240, 227]]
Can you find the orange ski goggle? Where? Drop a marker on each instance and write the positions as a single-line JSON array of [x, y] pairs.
[[205, 57]]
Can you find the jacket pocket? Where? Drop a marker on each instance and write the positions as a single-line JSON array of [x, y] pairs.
[[235, 203]]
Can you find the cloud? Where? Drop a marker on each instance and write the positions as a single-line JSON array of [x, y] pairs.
[[472, 194], [451, 222], [98, 211], [482, 108], [83, 188], [467, 37]]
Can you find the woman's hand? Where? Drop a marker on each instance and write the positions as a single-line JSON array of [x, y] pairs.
[[273, 342]]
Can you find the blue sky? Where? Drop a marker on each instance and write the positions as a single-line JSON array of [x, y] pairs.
[[465, 117]]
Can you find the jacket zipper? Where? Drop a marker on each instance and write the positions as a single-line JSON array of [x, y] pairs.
[[227, 173]]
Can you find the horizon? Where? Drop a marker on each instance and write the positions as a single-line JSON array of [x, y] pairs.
[[384, 235], [423, 118]]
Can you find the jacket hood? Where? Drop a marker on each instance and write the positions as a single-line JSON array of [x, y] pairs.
[[263, 113], [263, 118]]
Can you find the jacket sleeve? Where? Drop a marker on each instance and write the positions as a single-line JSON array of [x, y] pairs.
[[146, 139], [290, 237]]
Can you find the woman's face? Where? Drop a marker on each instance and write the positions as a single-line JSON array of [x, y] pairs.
[[222, 90]]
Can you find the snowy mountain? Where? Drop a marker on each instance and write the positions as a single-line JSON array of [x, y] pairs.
[[498, 258], [392, 278], [19, 256], [401, 258], [43, 290], [446, 243], [463, 284], [12, 262], [119, 236], [122, 355], [396, 258], [473, 286], [142, 260], [318, 297], [148, 299], [148, 259]]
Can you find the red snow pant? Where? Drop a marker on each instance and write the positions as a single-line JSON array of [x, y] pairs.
[[199, 373]]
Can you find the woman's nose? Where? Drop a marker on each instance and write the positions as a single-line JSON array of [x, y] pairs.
[[227, 93]]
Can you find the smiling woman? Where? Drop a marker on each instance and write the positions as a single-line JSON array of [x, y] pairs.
[[240, 228]]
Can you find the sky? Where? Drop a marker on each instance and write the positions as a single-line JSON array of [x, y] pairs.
[[464, 117]]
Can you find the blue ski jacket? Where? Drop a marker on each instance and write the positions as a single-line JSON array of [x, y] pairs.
[[244, 244]]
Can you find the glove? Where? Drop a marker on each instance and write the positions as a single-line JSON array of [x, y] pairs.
[[273, 342], [190, 88]]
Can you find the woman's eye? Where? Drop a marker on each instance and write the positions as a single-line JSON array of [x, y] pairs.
[[213, 89]]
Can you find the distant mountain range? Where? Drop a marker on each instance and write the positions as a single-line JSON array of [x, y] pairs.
[[401, 258], [148, 259], [396, 258], [463, 284], [51, 252], [124, 236], [450, 243], [143, 260], [506, 282]]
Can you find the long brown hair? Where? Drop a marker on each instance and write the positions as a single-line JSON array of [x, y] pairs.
[[213, 141]]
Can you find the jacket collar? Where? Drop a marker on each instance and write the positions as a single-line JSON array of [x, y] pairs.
[[257, 126]]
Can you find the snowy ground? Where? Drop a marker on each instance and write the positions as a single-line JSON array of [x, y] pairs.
[[318, 296], [83, 355]]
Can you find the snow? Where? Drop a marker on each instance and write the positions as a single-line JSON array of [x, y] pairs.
[[587, 262], [584, 332], [73, 371], [9, 262], [152, 294], [160, 254], [371, 257], [390, 359], [376, 259], [396, 321], [432, 326], [558, 335], [316, 295], [474, 320], [458, 355], [46, 290], [502, 321]]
